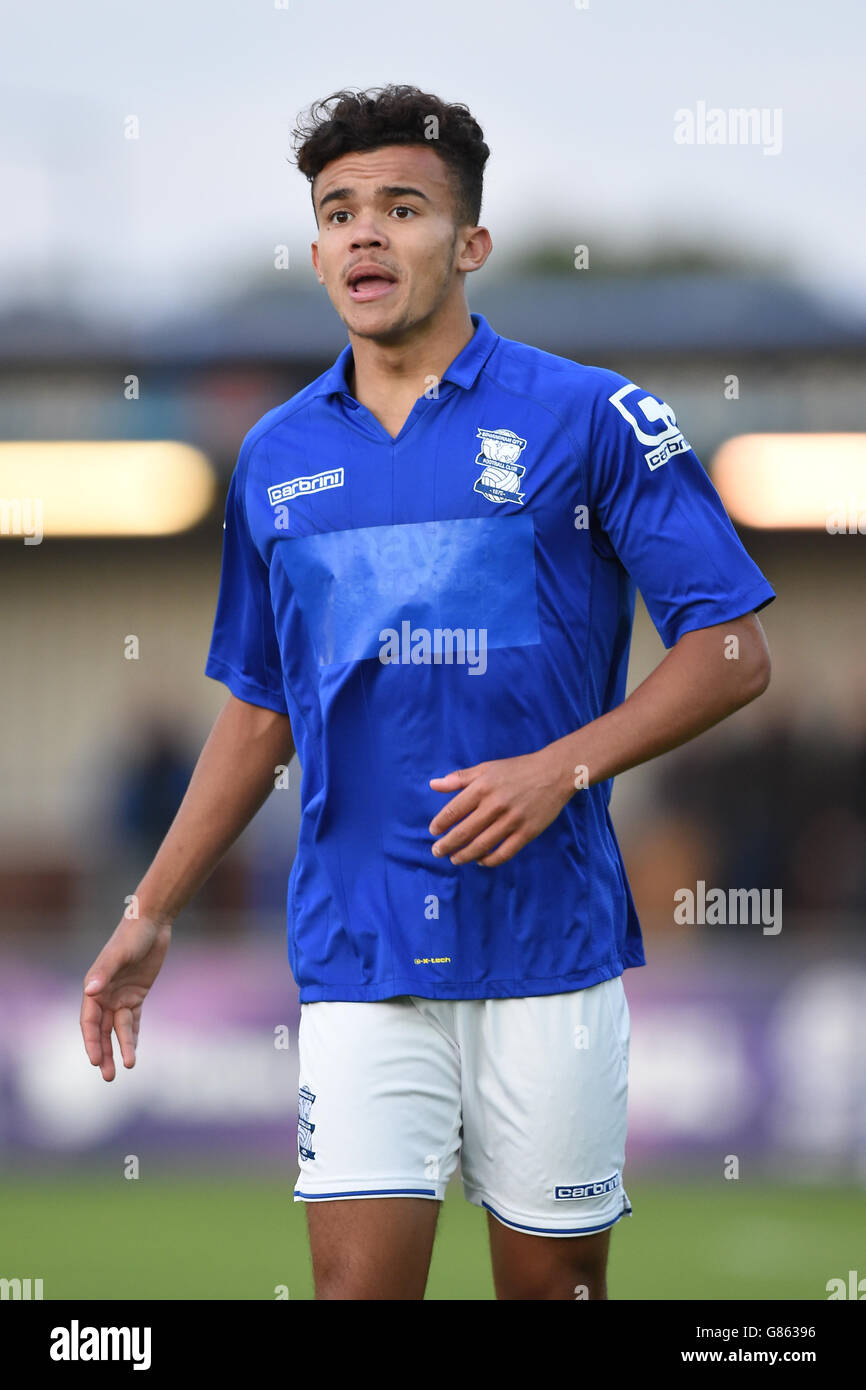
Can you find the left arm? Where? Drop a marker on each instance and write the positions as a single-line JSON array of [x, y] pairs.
[[500, 806]]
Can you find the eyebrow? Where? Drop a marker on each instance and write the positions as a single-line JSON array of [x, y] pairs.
[[386, 190]]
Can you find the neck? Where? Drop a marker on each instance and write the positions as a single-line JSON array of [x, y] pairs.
[[407, 367]]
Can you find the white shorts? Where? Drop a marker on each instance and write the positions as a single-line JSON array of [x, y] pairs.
[[529, 1094]]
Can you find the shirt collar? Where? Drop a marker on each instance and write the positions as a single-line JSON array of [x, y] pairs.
[[463, 371]]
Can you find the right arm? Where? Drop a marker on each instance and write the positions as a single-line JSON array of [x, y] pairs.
[[231, 781]]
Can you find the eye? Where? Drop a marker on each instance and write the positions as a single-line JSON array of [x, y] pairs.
[[402, 207], [340, 212]]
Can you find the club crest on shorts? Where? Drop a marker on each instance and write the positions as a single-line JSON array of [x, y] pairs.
[[500, 481], [305, 1125]]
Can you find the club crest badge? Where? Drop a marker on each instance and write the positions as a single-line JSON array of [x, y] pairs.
[[305, 1124], [500, 481]]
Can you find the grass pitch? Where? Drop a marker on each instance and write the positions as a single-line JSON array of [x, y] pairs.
[[233, 1236]]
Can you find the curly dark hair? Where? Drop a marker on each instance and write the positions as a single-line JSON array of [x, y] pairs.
[[397, 115]]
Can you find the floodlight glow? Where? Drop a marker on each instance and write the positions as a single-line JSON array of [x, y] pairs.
[[815, 481], [103, 487]]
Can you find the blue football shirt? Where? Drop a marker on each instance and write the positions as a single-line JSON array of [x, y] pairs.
[[460, 593]]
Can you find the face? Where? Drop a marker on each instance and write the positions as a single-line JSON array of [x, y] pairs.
[[391, 210]]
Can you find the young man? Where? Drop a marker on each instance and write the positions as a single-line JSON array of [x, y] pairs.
[[428, 584]]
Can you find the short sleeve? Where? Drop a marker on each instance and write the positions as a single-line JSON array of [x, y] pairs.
[[653, 501], [244, 651]]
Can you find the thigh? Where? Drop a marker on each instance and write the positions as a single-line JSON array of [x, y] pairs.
[[378, 1140], [545, 1085], [547, 1267], [380, 1249]]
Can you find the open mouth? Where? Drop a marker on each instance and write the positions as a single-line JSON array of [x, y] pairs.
[[370, 284]]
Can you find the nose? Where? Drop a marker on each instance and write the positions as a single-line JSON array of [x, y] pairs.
[[359, 242], [367, 231]]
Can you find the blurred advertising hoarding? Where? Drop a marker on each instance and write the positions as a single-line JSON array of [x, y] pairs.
[[731, 1054]]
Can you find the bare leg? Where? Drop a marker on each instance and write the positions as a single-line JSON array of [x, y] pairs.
[[372, 1247], [547, 1267]]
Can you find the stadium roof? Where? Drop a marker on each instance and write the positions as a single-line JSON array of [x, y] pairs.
[[575, 316]]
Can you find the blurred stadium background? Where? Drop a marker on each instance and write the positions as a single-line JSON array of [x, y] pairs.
[[744, 1044]]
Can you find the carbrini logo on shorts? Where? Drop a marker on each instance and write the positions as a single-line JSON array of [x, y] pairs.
[[580, 1191]]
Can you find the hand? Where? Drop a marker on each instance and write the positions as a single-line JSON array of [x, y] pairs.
[[115, 987], [500, 806]]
